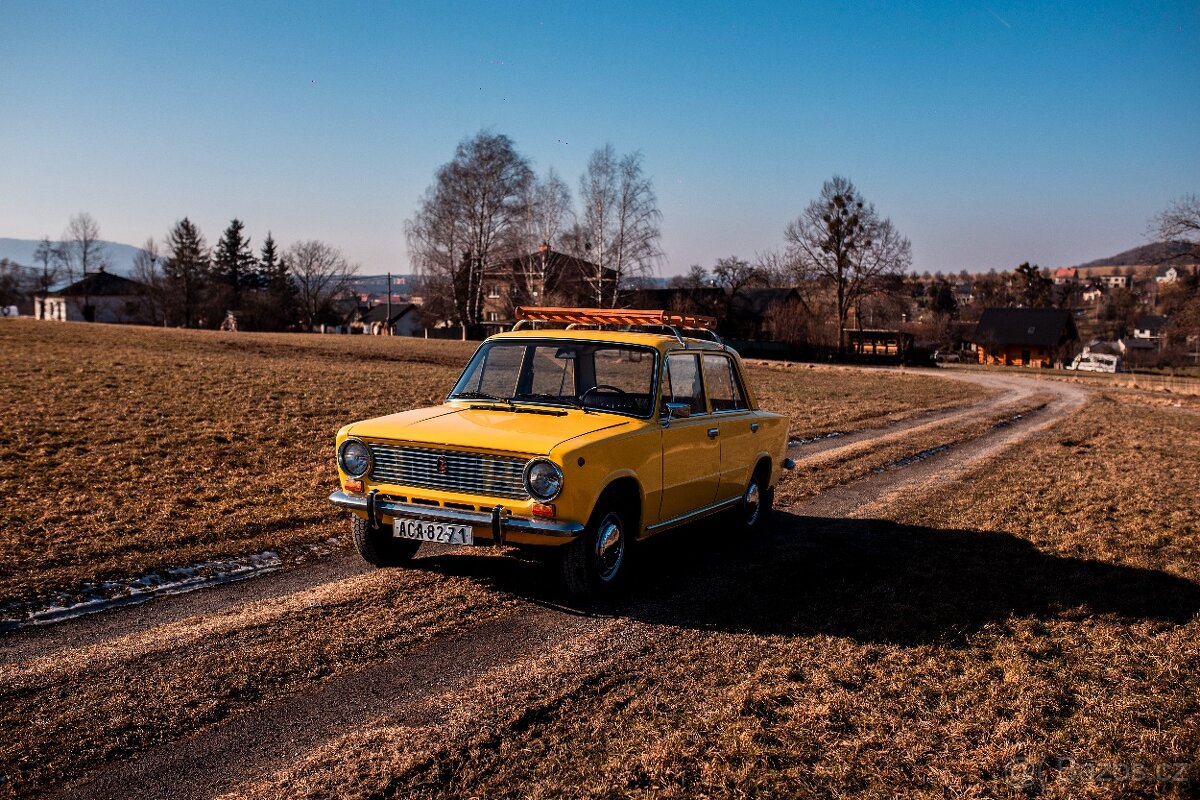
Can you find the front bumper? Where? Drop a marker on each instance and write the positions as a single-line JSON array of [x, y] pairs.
[[497, 520]]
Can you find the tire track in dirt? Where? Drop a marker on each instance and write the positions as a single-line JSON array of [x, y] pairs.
[[857, 499], [1006, 393], [398, 692], [265, 739]]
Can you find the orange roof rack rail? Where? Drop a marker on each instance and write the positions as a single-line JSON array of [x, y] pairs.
[[613, 316]]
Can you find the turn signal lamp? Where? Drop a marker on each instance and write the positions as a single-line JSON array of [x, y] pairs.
[[543, 509]]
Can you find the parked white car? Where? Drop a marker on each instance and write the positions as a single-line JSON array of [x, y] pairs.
[[1095, 362], [943, 357]]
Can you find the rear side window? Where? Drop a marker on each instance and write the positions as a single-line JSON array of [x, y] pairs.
[[683, 382], [723, 390]]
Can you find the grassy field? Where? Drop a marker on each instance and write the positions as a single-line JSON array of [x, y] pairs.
[[1030, 631], [1184, 382], [132, 449]]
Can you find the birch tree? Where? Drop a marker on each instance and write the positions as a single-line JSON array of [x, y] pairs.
[[621, 221], [548, 215]]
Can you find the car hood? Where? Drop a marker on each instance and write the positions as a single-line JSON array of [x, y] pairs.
[[485, 428]]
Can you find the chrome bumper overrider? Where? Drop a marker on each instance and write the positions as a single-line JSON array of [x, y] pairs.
[[496, 520]]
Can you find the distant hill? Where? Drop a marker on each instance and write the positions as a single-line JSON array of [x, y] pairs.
[[377, 284], [118, 257], [1146, 254]]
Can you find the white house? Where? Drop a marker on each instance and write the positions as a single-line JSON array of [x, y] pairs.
[[99, 297], [1149, 327]]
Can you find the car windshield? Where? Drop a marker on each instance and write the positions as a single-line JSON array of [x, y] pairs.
[[601, 376]]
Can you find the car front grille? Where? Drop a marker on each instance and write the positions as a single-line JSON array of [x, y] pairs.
[[449, 470]]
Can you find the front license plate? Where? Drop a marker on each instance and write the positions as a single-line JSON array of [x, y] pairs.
[[425, 531]]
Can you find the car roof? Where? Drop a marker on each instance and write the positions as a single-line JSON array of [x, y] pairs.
[[659, 341]]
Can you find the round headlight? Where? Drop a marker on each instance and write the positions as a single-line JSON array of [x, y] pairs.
[[354, 458], [543, 479]]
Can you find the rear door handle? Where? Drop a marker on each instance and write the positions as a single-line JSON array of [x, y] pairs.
[[754, 427], [713, 432]]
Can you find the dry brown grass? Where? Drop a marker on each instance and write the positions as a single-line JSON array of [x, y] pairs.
[[824, 471], [1185, 384], [130, 449], [822, 399], [81, 707], [1042, 612], [127, 450]]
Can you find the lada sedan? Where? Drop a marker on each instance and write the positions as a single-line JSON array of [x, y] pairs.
[[581, 441]]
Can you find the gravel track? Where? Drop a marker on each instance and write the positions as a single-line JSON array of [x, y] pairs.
[[268, 738]]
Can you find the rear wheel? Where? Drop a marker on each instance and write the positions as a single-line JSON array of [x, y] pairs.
[[595, 564], [756, 502], [377, 545]]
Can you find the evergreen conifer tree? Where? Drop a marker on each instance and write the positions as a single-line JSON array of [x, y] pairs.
[[279, 291], [233, 263], [186, 273]]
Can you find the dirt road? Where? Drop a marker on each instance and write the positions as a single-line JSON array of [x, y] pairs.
[[311, 663]]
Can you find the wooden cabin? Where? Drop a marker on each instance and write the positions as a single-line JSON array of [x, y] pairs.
[[1024, 337]]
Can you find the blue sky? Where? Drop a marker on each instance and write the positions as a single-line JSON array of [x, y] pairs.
[[991, 133]]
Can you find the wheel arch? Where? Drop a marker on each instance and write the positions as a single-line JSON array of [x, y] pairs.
[[627, 490], [765, 466]]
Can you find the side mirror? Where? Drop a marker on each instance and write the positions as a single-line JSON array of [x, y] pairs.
[[675, 410]]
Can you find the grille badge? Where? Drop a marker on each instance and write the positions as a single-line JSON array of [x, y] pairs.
[[442, 468]]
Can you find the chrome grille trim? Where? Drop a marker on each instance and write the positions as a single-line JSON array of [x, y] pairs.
[[468, 473]]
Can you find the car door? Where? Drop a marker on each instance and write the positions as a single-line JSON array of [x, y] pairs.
[[736, 423], [691, 448]]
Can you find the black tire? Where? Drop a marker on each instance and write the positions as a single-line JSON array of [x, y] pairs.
[[377, 546], [594, 566], [756, 503]]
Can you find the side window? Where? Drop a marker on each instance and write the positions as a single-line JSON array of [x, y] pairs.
[[683, 382], [723, 388]]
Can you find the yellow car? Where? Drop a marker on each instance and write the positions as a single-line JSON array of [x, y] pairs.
[[584, 439]]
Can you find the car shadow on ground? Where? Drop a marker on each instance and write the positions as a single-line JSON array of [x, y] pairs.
[[870, 580]]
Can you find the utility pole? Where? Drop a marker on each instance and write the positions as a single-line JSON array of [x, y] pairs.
[[388, 322]]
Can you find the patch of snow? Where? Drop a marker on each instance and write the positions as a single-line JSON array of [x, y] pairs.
[[914, 458], [95, 597], [811, 439]]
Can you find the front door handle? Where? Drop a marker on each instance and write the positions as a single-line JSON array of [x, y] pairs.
[[754, 427], [713, 432]]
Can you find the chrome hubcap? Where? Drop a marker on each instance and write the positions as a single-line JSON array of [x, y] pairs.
[[750, 502], [610, 547]]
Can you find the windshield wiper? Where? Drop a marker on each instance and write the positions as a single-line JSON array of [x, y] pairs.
[[473, 395]]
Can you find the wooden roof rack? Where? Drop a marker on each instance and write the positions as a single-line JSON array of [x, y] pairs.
[[614, 316]]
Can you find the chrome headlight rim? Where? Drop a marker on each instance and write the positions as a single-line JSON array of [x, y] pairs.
[[526, 479], [370, 463]]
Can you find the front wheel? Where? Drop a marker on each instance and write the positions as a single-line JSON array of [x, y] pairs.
[[378, 547], [594, 565]]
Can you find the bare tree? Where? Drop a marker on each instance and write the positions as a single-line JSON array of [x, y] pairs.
[[621, 219], [1180, 222], [548, 214], [841, 240], [469, 218], [147, 270], [695, 278], [734, 274], [320, 273], [82, 252], [48, 258], [82, 249]]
